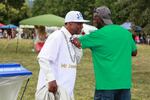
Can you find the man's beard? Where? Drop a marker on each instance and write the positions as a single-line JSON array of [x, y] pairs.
[[76, 32], [99, 25]]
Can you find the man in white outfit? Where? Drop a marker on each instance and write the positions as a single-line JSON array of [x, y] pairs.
[[58, 58]]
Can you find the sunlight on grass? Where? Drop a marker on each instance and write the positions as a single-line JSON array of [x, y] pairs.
[[84, 89]]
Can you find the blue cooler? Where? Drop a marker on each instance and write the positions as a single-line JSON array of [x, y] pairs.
[[11, 79]]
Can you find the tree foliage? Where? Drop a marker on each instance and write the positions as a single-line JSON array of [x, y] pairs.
[[137, 11], [61, 7], [12, 11]]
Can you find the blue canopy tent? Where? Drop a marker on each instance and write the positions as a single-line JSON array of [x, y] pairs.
[[9, 26], [138, 29]]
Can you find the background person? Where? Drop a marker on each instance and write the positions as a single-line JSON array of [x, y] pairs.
[[112, 47]]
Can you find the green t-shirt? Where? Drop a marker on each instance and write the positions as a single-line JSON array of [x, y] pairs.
[[111, 48]]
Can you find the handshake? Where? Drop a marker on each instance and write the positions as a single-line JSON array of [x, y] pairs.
[[75, 41]]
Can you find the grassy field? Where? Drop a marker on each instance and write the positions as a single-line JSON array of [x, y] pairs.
[[84, 89]]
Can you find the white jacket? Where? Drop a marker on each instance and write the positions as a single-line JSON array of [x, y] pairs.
[[58, 60]]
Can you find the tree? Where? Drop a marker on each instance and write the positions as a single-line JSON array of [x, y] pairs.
[[2, 11], [137, 11], [12, 11], [15, 3], [61, 7]]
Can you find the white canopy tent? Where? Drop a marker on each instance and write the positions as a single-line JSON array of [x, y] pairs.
[[127, 25], [88, 28]]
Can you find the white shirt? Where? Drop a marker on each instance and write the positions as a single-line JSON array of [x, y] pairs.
[[58, 61]]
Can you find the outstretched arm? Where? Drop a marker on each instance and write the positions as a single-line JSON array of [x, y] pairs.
[[76, 42]]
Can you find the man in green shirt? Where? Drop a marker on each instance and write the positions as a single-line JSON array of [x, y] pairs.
[[112, 49]]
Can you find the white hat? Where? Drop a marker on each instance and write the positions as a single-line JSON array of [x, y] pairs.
[[74, 16]]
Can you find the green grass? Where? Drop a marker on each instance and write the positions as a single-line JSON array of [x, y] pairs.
[[84, 89]]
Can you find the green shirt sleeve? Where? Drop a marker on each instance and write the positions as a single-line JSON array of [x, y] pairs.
[[90, 40]]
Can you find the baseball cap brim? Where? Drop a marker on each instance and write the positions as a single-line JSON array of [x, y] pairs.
[[107, 21]]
